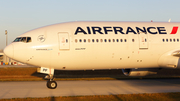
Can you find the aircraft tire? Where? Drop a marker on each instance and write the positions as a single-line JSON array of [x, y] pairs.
[[51, 84]]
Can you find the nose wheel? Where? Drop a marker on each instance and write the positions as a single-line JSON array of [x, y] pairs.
[[51, 84]]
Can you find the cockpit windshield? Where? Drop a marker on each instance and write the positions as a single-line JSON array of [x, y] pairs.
[[23, 39]]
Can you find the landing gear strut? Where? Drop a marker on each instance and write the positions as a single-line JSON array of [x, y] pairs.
[[51, 84]]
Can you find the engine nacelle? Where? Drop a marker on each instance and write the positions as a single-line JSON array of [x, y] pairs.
[[139, 72]]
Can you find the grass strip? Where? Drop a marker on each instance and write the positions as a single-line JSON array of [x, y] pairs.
[[26, 78], [121, 97]]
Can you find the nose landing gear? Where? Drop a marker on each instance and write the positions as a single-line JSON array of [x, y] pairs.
[[51, 84]]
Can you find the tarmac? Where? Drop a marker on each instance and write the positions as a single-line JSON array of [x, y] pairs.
[[37, 89]]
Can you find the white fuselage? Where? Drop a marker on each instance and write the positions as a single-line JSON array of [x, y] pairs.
[[99, 45]]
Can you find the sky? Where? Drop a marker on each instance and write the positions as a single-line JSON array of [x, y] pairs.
[[19, 16]]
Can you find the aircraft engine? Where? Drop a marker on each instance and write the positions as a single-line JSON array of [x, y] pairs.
[[139, 72]]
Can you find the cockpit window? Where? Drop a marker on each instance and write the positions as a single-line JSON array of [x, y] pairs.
[[28, 39], [17, 39], [23, 39]]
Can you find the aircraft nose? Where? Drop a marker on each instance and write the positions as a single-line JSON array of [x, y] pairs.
[[9, 51]]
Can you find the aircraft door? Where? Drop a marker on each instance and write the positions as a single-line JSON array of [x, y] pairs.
[[63, 38], [143, 41]]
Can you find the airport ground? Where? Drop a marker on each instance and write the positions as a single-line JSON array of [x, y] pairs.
[[97, 90], [30, 74]]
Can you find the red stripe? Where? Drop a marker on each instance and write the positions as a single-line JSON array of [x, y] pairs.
[[174, 30]]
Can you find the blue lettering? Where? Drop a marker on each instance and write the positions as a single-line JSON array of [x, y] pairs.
[[149, 30], [80, 30], [129, 29], [161, 30]]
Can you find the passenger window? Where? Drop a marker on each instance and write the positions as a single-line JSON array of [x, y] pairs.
[[174, 40], [121, 40], [92, 40], [84, 40], [89, 40], [117, 40], [170, 40], [109, 40], [105, 40], [163, 40], [76, 40], [97, 40], [166, 40], [101, 40], [177, 40], [80, 40], [125, 40], [132, 40], [145, 40], [113, 40]]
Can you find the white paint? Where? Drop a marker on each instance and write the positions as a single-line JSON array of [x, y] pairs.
[[53, 53]]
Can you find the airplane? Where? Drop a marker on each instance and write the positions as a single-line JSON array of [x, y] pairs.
[[138, 48]]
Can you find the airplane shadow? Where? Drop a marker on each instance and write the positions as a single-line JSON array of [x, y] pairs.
[[115, 74]]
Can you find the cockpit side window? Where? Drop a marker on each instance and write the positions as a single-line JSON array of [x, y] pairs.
[[23, 39], [28, 39]]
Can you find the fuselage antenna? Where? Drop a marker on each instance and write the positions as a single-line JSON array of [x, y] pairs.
[[169, 20]]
